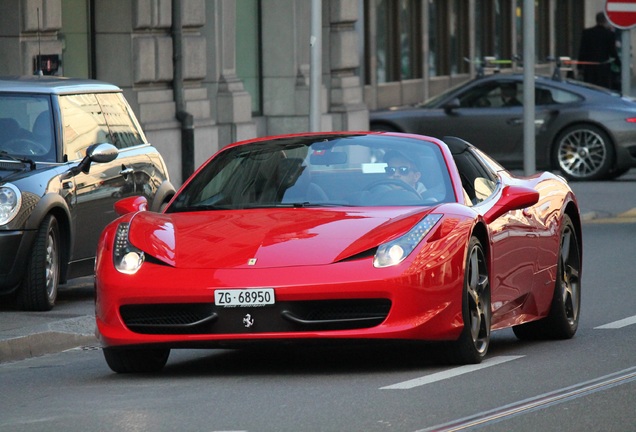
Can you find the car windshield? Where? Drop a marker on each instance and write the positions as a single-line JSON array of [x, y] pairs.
[[321, 170], [435, 100], [26, 127]]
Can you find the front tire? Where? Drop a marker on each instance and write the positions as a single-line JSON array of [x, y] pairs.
[[39, 288], [584, 152], [472, 345], [136, 360], [563, 319]]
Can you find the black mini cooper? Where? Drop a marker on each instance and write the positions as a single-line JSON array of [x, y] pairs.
[[69, 149]]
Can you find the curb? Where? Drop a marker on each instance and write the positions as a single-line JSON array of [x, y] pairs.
[[48, 339], [39, 344], [628, 216]]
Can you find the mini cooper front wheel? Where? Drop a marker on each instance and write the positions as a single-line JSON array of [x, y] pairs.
[[38, 291]]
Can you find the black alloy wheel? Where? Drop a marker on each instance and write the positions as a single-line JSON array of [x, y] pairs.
[[472, 345]]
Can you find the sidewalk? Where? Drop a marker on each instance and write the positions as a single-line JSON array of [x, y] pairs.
[[71, 323]]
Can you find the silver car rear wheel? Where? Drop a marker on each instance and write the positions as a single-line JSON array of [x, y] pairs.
[[584, 152]]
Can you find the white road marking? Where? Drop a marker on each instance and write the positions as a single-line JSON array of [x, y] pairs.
[[618, 324], [405, 385], [537, 403]]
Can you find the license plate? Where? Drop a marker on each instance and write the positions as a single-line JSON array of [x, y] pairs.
[[244, 298]]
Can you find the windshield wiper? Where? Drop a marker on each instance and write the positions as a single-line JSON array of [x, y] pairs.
[[28, 161]]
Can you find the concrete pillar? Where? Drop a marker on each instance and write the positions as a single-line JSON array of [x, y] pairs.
[[346, 88], [233, 103]]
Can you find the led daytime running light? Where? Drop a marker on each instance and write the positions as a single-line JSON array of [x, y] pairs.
[[395, 251], [127, 258]]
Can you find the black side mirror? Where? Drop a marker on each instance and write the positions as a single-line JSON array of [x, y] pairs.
[[99, 153], [451, 105]]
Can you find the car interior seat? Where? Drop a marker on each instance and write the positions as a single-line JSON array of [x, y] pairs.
[[296, 183]]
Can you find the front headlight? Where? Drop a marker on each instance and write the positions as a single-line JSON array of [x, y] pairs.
[[395, 251], [10, 201], [127, 258]]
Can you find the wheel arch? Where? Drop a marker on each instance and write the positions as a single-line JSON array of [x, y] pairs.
[[481, 232], [572, 211], [55, 205]]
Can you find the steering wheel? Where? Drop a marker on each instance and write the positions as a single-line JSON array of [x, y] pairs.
[[385, 185], [25, 146]]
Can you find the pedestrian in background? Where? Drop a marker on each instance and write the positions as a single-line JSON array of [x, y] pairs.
[[598, 46]]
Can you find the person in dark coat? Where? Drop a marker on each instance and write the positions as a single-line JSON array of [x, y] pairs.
[[598, 45]]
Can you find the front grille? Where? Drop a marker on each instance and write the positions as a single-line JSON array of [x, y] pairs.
[[168, 318], [204, 318]]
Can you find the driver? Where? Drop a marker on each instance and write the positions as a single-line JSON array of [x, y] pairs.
[[399, 167]]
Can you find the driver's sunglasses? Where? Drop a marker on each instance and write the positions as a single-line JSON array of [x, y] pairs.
[[402, 170]]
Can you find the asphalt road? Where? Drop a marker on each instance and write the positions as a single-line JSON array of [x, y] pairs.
[[587, 383]]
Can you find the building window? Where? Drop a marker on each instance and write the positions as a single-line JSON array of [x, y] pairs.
[[542, 29], [398, 39], [436, 37], [458, 32], [248, 47], [569, 27], [448, 37]]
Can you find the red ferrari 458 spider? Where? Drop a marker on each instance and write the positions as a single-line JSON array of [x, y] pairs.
[[341, 237]]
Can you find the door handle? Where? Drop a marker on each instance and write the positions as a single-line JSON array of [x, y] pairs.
[[514, 121]]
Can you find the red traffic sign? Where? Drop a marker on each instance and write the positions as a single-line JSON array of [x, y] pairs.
[[621, 13]]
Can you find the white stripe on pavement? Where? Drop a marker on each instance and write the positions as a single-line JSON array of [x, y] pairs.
[[618, 324], [405, 385]]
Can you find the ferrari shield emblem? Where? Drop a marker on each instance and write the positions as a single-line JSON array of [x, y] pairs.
[[251, 261]]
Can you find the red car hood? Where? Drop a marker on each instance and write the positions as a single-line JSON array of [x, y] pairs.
[[272, 237]]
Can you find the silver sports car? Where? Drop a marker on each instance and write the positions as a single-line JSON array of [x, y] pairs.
[[586, 132]]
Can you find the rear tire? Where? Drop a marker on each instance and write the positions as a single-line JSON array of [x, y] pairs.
[[584, 152], [563, 319], [39, 288], [136, 360], [472, 345]]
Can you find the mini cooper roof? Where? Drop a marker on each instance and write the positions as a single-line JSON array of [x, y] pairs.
[[53, 85]]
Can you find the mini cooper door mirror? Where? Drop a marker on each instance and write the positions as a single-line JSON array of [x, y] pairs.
[[100, 153]]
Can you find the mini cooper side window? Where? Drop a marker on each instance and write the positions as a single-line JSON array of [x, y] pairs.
[[83, 124], [123, 128]]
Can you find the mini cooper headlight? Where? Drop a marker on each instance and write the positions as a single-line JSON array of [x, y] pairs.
[[395, 251], [10, 201], [127, 258]]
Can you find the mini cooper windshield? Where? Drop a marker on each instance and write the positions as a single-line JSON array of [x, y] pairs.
[[329, 170], [26, 128]]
